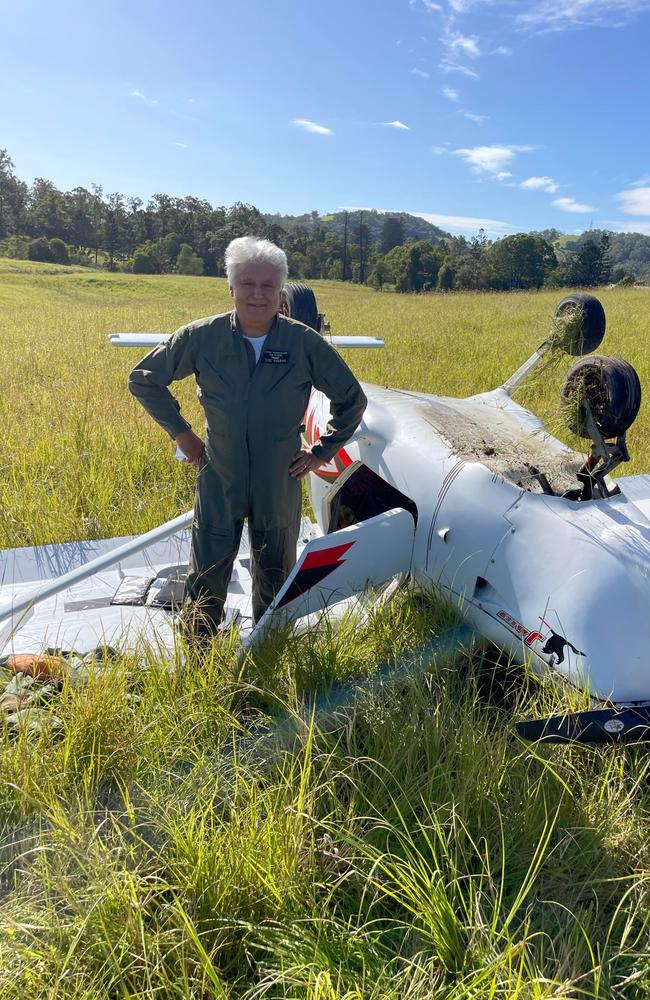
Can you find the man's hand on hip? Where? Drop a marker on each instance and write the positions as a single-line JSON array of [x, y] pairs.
[[302, 463], [191, 445]]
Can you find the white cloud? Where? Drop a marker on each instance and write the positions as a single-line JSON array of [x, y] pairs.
[[468, 225], [642, 182], [502, 50], [540, 184], [143, 97], [450, 93], [503, 175], [440, 150], [461, 6], [558, 15], [479, 119], [312, 126], [467, 45], [491, 159], [429, 5], [448, 67], [636, 201], [571, 205], [397, 124], [181, 145], [628, 226], [420, 72], [191, 100]]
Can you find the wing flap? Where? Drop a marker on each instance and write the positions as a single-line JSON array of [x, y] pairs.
[[340, 565]]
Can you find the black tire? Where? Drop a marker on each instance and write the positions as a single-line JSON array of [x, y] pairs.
[[299, 302], [612, 388], [590, 335]]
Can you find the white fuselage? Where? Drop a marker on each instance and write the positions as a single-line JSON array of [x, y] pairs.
[[565, 583]]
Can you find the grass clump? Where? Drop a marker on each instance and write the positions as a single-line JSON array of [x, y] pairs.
[[397, 841]]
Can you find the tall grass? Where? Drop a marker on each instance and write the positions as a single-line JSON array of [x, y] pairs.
[[348, 814], [79, 458]]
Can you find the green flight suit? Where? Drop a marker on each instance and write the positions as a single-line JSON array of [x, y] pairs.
[[253, 423]]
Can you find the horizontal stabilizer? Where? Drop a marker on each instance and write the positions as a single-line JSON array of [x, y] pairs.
[[138, 339], [341, 565], [153, 339], [605, 725], [354, 341]]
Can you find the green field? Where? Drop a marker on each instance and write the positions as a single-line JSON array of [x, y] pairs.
[[206, 830]]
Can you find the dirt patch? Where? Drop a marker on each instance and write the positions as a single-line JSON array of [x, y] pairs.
[[528, 459]]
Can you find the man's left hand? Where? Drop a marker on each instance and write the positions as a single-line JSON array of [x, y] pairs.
[[304, 462]]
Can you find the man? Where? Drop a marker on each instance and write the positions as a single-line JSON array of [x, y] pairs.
[[255, 370]]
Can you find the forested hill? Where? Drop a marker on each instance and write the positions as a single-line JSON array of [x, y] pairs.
[[413, 227], [386, 250]]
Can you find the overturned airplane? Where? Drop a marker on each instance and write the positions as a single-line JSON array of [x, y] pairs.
[[538, 548]]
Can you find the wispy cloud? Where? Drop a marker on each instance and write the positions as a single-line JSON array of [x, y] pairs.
[[421, 73], [635, 201], [491, 160], [462, 6], [397, 124], [312, 126], [468, 225], [463, 45], [143, 97], [451, 67], [641, 182], [450, 93], [558, 15], [478, 119], [628, 226], [429, 5], [540, 184], [181, 145], [571, 205]]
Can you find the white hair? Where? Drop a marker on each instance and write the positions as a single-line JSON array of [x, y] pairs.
[[249, 248]]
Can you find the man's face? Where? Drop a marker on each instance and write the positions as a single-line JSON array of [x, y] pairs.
[[256, 294]]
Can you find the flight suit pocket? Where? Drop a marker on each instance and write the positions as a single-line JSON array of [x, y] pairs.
[[281, 374], [209, 379]]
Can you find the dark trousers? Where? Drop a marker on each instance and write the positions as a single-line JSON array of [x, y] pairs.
[[273, 556]]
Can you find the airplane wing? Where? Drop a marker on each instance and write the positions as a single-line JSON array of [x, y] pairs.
[[339, 565], [636, 489], [153, 339]]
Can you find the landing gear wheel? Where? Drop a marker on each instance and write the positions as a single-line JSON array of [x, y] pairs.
[[299, 302], [590, 331], [610, 386]]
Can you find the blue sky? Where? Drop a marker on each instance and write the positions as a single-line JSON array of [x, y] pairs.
[[507, 114]]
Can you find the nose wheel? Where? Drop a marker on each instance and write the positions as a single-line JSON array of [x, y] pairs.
[[601, 397]]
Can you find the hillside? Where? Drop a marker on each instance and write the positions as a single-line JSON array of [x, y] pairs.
[[414, 228]]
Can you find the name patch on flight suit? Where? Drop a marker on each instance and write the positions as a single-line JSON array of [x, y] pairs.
[[275, 357]]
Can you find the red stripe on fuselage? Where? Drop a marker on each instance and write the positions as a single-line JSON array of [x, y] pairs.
[[326, 557]]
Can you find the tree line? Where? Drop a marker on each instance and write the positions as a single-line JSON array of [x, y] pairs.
[[189, 236], [520, 261]]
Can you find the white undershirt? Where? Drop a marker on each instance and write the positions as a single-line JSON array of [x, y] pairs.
[[258, 344]]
